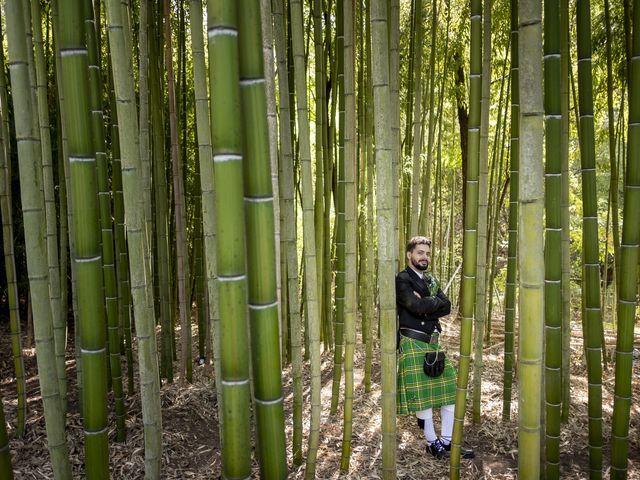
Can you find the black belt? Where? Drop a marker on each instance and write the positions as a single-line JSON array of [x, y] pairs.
[[415, 334]]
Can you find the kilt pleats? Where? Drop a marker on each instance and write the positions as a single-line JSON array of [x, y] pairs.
[[415, 390]]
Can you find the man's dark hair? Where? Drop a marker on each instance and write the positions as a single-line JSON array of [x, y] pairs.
[[417, 240]]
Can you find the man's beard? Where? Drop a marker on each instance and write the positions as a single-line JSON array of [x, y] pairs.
[[419, 266]]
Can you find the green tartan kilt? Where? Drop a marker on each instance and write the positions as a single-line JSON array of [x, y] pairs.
[[415, 390]]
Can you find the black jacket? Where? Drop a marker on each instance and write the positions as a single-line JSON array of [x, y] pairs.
[[419, 313]]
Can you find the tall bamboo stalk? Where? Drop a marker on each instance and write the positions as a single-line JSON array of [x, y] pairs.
[[59, 324], [514, 150], [613, 167], [530, 239], [425, 216], [205, 157], [9, 252], [351, 226], [483, 198], [386, 231], [139, 250], [627, 300], [229, 209], [105, 214], [553, 238], [34, 219], [261, 258], [320, 164], [592, 323], [289, 230], [470, 240], [416, 121], [309, 236], [564, 208], [394, 98], [88, 259], [340, 219]]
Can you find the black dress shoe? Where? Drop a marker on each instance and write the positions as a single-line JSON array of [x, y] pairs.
[[464, 452], [437, 449]]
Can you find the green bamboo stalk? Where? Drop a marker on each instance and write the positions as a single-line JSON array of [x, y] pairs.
[[416, 120], [9, 252], [483, 199], [627, 300], [229, 208], [613, 182], [104, 198], [289, 230], [592, 323], [351, 226], [510, 288], [340, 220], [530, 239], [386, 231], [425, 215], [66, 203], [261, 259], [553, 238], [309, 236], [59, 324], [205, 157], [272, 127], [121, 253], [370, 300], [564, 209], [320, 164], [394, 92], [88, 257], [139, 265], [470, 239], [34, 219]]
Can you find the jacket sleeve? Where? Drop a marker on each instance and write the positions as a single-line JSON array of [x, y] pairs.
[[406, 297], [445, 309]]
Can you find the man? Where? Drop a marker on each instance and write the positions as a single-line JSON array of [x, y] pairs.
[[421, 303]]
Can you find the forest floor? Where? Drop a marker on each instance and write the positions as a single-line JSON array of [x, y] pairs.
[[191, 439]]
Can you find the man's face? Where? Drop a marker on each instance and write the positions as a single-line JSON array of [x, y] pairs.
[[420, 257]]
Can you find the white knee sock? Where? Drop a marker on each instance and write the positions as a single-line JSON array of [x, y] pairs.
[[446, 412], [429, 429]]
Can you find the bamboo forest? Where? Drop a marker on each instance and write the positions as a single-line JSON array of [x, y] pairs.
[[206, 206]]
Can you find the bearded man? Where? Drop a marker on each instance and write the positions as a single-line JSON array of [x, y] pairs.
[[421, 303]]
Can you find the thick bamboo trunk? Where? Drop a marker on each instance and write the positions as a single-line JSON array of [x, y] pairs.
[[261, 250], [34, 219], [592, 322], [530, 239], [627, 300], [386, 211], [230, 242]]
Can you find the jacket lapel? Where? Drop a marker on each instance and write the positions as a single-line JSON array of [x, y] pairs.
[[417, 282]]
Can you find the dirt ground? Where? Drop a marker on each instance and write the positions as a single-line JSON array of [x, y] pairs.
[[191, 440]]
